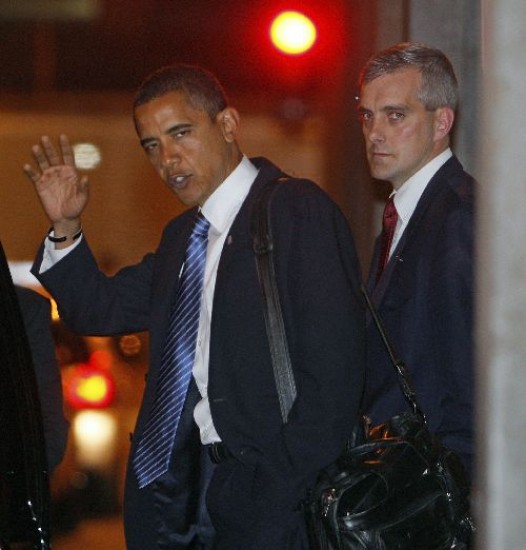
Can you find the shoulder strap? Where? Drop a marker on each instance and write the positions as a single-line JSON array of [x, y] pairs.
[[283, 374], [263, 248], [402, 373]]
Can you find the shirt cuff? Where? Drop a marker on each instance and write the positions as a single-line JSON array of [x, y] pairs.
[[52, 256]]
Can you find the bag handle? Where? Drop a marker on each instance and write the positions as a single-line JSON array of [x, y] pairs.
[[263, 245], [404, 378]]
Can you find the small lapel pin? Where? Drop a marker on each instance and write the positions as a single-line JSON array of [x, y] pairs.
[[229, 240]]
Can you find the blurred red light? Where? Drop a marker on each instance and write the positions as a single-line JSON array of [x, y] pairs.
[[89, 387]]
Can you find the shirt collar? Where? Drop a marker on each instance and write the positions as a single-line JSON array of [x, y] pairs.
[[224, 203], [408, 195]]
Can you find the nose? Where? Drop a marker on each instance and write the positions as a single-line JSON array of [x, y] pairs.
[[375, 131], [169, 155]]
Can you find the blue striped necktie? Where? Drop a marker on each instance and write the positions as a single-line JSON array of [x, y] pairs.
[[153, 453]]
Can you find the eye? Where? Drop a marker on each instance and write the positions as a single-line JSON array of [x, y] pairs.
[[364, 116], [395, 116], [150, 146], [180, 133]]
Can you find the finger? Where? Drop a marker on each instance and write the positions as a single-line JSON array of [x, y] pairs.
[[50, 151], [40, 157], [31, 173], [67, 151]]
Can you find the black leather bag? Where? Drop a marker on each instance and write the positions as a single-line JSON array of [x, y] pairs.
[[395, 487], [398, 490]]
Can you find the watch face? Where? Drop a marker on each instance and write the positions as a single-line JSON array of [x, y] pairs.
[[24, 485]]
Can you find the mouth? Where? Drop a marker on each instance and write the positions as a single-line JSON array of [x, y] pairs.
[[178, 181], [378, 155]]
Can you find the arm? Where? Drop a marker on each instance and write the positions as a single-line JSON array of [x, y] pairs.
[[90, 302], [451, 311]]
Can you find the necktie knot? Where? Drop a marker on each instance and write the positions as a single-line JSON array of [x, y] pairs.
[[202, 225], [390, 211]]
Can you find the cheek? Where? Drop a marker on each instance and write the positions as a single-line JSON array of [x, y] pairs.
[[157, 165], [409, 139], [155, 162], [408, 133]]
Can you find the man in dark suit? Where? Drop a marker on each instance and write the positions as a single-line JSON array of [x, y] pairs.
[[233, 459], [421, 274]]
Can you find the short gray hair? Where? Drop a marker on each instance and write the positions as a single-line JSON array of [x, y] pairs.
[[439, 83]]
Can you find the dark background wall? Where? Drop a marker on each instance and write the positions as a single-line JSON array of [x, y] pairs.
[[84, 58]]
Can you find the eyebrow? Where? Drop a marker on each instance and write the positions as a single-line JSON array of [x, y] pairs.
[[385, 109], [395, 108], [178, 127], [172, 130]]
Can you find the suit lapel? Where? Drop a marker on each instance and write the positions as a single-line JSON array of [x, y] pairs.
[[171, 263], [239, 236], [432, 189]]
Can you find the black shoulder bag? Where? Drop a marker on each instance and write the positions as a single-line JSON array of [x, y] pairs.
[[394, 487]]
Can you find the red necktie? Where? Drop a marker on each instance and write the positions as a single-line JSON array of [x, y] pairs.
[[388, 228]]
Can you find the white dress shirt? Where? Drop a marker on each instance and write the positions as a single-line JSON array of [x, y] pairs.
[[220, 209], [407, 196]]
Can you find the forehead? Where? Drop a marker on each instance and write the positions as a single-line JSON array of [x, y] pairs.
[[169, 109], [399, 87]]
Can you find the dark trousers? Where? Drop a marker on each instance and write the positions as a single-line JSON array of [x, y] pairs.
[[171, 513], [253, 508]]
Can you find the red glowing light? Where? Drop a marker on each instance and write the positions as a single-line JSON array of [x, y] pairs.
[[89, 387], [293, 33]]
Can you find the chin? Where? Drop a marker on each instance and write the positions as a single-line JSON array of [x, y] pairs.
[[189, 203]]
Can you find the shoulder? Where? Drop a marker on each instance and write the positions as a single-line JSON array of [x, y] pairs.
[[293, 193], [177, 224], [303, 198], [449, 199], [451, 220], [458, 186]]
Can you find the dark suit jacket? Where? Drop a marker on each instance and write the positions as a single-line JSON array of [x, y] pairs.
[[425, 298], [37, 320], [317, 277]]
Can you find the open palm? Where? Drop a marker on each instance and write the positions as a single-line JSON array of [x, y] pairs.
[[62, 191]]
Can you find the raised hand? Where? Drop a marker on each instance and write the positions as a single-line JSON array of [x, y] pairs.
[[62, 191]]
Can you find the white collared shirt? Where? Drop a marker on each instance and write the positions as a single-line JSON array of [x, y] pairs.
[[407, 196], [220, 209]]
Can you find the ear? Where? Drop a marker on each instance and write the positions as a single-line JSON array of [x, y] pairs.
[[444, 118], [229, 121]]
